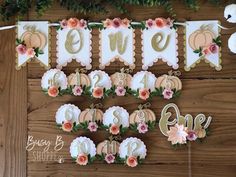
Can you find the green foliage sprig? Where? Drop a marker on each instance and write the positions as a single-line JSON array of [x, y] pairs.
[[11, 8]]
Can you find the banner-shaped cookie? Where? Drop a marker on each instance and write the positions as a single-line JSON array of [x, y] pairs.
[[32, 43], [74, 42], [202, 40], [159, 41], [117, 42]]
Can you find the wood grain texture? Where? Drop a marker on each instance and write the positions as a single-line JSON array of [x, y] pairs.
[[204, 91], [13, 109]]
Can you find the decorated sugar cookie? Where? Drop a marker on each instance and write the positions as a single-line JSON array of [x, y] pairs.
[[121, 81], [78, 82], [159, 42], [143, 119], [100, 84], [183, 128], [32, 43], [74, 42], [67, 117], [83, 150], [116, 42], [203, 43], [108, 150], [169, 85], [91, 118], [116, 120], [54, 82], [132, 151], [142, 84]]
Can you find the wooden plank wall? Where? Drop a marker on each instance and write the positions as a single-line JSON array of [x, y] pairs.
[[204, 91]]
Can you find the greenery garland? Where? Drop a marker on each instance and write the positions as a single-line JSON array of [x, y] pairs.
[[11, 8]]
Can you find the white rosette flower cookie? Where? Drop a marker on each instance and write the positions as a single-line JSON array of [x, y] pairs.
[[108, 151], [83, 150], [67, 117], [54, 82], [116, 120], [142, 84], [132, 151], [100, 84]]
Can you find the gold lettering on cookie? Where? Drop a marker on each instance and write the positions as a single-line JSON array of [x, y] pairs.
[[117, 41], [72, 44], [157, 40]]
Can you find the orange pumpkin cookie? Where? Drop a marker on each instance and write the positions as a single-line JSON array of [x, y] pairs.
[[91, 115], [167, 81], [108, 147]]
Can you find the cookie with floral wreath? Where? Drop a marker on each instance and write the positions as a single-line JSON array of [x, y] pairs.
[[132, 151], [108, 150], [183, 129], [54, 83], [78, 82], [67, 117], [91, 118], [116, 120], [83, 150], [121, 82], [143, 119]]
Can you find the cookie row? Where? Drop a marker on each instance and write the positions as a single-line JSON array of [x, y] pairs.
[[98, 84]]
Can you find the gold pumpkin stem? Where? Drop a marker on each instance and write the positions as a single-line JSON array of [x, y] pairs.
[[146, 105]]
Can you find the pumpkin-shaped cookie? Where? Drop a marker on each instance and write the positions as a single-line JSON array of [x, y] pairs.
[[142, 115], [91, 115], [78, 79], [167, 81], [121, 79], [34, 38], [201, 38], [108, 147]]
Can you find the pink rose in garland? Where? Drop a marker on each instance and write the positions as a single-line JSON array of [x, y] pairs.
[[160, 22], [142, 127], [144, 93], [73, 23], [120, 91], [30, 52], [21, 49], [149, 23], [67, 126], [82, 23], [82, 159], [132, 161], [114, 129], [213, 48], [77, 91], [53, 91], [63, 23], [169, 22], [125, 22], [167, 93], [206, 51], [116, 22], [107, 23], [110, 158], [92, 126], [97, 92], [191, 136], [177, 134]]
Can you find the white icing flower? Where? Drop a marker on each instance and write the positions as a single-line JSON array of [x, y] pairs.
[[230, 13], [232, 43]]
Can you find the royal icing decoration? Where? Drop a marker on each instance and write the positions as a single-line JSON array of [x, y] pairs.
[[202, 42], [117, 42], [54, 82], [74, 42], [83, 150], [91, 118], [143, 119], [132, 151], [116, 120], [108, 150], [183, 128], [159, 41], [32, 43], [67, 117], [100, 84]]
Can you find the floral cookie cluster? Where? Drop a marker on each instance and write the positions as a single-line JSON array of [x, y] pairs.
[[97, 84]]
